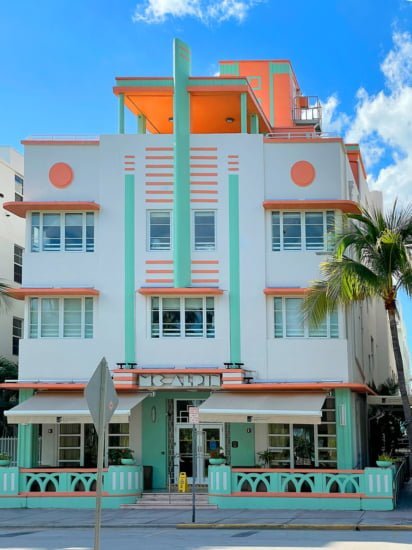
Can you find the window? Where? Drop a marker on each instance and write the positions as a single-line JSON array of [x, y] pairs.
[[302, 230], [70, 445], [204, 230], [61, 318], [18, 263], [182, 317], [118, 436], [159, 230], [18, 188], [305, 445], [72, 232], [17, 334], [290, 323]]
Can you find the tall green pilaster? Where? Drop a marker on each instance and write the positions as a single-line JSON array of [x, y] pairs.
[[344, 428], [141, 124], [129, 269], [181, 123], [25, 442], [121, 113], [243, 113], [234, 277], [254, 124]]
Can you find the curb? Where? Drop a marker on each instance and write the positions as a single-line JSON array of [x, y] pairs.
[[296, 526]]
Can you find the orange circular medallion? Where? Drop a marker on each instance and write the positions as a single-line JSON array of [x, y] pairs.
[[302, 173], [60, 175]]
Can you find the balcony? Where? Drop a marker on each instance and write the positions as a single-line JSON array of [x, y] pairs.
[[307, 110]]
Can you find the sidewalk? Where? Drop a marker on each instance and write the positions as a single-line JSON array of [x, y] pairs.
[[399, 519]]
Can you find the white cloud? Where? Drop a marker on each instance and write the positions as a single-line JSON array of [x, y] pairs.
[[382, 123], [207, 11]]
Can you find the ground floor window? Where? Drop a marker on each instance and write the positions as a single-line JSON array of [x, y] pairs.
[[304, 445], [77, 444]]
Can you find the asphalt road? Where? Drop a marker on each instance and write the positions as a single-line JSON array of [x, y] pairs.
[[211, 539]]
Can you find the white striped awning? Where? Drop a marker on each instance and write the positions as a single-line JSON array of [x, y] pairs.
[[67, 408], [285, 407]]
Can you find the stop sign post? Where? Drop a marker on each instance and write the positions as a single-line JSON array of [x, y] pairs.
[[102, 401]]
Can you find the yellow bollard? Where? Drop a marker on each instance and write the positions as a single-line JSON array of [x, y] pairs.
[[182, 486]]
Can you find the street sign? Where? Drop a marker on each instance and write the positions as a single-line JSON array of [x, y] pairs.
[[102, 401], [193, 415], [99, 392]]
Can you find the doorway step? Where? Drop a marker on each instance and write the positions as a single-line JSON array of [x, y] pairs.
[[177, 501]]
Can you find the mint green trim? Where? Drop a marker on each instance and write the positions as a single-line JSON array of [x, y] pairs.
[[254, 124], [243, 113], [145, 82], [181, 114], [280, 68], [255, 77], [129, 269], [229, 69], [219, 82], [25, 446], [344, 428], [352, 147], [121, 113], [234, 269], [141, 124], [83, 503]]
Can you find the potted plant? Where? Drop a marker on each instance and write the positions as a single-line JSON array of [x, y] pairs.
[[384, 461], [5, 459], [217, 457], [266, 457], [126, 456]]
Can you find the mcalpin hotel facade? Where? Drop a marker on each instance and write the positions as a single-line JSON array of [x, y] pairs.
[[181, 250]]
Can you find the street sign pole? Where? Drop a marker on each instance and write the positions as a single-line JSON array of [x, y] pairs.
[[100, 453], [102, 401]]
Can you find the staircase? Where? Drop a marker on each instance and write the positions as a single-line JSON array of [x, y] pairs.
[[175, 501]]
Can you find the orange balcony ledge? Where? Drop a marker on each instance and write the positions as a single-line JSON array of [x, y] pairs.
[[21, 293], [20, 208], [168, 291], [348, 207], [285, 291]]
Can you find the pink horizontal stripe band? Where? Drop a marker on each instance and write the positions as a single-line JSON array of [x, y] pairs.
[[151, 262], [158, 175], [159, 281], [159, 200], [205, 262], [203, 200]]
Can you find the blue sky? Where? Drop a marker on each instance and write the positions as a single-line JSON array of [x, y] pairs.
[[59, 59]]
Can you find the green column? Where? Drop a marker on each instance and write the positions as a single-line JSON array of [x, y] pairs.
[[243, 113], [141, 124], [234, 278], [129, 269], [254, 124], [121, 113], [181, 124], [344, 428], [25, 440]]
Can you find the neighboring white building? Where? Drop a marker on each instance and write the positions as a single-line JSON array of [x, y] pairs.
[[182, 255], [12, 237]]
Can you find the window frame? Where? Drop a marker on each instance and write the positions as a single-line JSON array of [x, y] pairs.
[[193, 228], [303, 246], [332, 320], [18, 250], [16, 337], [35, 326], [62, 247], [18, 191], [149, 229], [182, 319]]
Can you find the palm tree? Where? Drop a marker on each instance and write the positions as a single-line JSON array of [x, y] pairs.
[[371, 260]]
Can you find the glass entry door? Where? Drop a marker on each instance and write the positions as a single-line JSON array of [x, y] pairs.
[[209, 438]]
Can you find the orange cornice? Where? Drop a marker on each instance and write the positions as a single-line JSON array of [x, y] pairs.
[[348, 207], [219, 89], [146, 90], [166, 291], [302, 140], [58, 386], [21, 293], [20, 208], [60, 142], [285, 291], [291, 386]]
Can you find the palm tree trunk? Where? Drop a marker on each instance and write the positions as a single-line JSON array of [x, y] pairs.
[[401, 376]]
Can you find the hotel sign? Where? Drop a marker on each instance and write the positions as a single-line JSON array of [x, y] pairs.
[[179, 380]]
